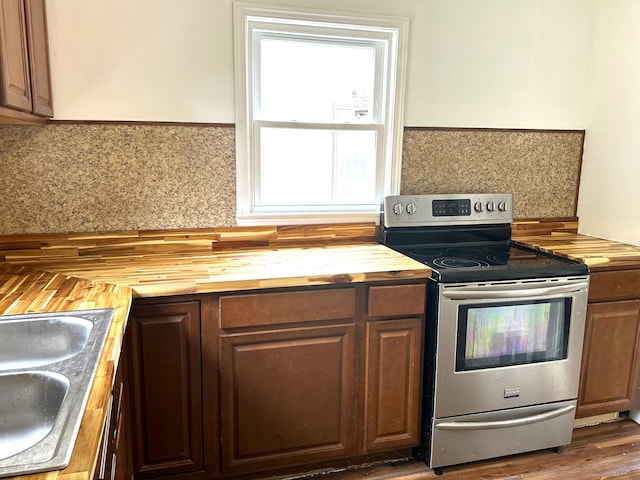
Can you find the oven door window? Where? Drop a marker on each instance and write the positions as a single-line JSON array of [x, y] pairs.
[[504, 334]]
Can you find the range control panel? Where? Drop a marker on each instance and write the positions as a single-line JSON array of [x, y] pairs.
[[447, 209]]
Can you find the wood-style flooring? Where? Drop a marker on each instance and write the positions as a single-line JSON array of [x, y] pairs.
[[603, 452]]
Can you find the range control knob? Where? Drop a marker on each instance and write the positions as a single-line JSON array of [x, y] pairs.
[[502, 206], [411, 208], [478, 207], [397, 209], [491, 206]]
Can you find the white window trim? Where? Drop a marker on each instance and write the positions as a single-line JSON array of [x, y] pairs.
[[243, 13]]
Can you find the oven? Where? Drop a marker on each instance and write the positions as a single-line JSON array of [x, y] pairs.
[[504, 329]]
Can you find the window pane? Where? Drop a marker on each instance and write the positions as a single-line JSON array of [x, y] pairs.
[[317, 167], [314, 81]]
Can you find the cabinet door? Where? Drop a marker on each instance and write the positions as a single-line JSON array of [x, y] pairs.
[[114, 456], [393, 384], [287, 397], [166, 388], [14, 58], [42, 101], [609, 374]]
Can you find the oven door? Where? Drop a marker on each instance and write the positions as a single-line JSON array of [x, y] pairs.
[[508, 344]]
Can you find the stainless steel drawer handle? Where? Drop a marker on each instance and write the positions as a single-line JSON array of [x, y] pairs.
[[513, 293], [506, 423]]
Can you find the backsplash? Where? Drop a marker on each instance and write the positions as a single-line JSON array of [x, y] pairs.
[[109, 177], [540, 168]]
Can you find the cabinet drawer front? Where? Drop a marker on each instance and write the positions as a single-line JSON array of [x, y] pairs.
[[614, 285], [396, 300], [286, 307]]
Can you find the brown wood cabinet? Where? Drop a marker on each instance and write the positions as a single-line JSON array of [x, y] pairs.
[[393, 366], [393, 383], [611, 353], [25, 80], [267, 381], [166, 388], [114, 459], [287, 368]]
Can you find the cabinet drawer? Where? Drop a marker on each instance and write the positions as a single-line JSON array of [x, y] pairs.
[[614, 285], [286, 307], [396, 300]]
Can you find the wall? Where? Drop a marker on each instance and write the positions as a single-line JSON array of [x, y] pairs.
[[608, 204], [472, 63], [514, 64]]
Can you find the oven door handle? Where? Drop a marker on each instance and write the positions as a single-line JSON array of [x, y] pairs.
[[488, 292], [514, 422]]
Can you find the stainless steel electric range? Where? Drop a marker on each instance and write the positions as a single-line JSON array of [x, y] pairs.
[[504, 329]]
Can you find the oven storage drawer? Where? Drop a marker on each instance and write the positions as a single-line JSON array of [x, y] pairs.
[[480, 436]]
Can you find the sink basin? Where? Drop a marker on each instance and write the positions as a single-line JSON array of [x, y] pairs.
[[32, 342], [47, 365], [30, 403]]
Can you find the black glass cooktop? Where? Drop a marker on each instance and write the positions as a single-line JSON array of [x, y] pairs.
[[505, 261]]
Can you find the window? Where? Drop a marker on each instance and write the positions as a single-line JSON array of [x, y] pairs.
[[318, 114]]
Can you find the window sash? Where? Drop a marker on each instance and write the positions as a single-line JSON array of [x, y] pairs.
[[381, 47], [253, 21], [255, 166]]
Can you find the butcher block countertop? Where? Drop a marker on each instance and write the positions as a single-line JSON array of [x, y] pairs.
[[62, 272], [25, 290], [598, 253]]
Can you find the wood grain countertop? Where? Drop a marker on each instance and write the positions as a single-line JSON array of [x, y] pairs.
[[65, 272], [599, 254], [25, 289]]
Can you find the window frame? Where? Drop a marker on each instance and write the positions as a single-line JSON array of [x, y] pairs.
[[250, 17]]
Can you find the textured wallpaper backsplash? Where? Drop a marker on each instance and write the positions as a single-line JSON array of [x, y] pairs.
[[540, 168], [106, 177]]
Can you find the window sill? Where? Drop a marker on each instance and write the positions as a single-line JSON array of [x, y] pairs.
[[306, 218]]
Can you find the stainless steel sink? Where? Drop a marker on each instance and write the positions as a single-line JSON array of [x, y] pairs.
[[30, 403], [31, 342], [47, 365]]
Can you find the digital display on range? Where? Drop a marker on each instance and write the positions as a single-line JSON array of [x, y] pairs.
[[451, 208]]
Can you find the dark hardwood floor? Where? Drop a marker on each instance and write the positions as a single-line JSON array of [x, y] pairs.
[[602, 452]]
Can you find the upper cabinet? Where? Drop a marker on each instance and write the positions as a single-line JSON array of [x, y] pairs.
[[25, 81]]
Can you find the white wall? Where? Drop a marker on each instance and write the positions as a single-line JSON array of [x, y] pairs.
[[472, 63], [609, 203]]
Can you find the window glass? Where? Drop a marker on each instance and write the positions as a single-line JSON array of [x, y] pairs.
[[316, 167], [315, 81], [507, 334], [318, 103]]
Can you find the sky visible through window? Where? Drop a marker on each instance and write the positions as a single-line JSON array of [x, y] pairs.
[[319, 82]]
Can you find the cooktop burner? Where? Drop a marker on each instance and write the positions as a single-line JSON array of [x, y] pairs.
[[490, 262], [453, 262]]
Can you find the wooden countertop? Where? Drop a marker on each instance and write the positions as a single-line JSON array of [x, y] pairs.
[[598, 253], [27, 290], [63, 272], [153, 274]]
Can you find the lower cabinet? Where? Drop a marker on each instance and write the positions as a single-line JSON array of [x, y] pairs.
[[611, 357], [256, 383], [393, 384], [610, 373], [166, 388], [287, 397], [114, 459]]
